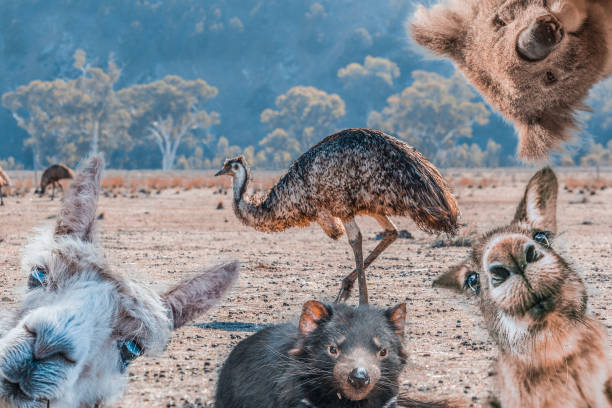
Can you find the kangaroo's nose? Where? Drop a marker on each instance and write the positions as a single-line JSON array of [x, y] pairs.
[[50, 342], [359, 377], [537, 41], [513, 262]]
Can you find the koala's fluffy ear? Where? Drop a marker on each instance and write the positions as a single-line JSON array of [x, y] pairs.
[[539, 204], [442, 29], [456, 278]]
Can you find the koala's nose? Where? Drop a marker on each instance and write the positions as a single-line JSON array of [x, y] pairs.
[[537, 41], [50, 342], [359, 377]]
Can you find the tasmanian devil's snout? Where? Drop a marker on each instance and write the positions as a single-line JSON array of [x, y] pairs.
[[359, 377]]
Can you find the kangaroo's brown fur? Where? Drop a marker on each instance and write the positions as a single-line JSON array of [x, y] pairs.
[[552, 352], [5, 181], [540, 97]]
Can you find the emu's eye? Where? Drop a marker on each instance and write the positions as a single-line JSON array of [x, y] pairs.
[[543, 238], [498, 22], [333, 350], [235, 167], [473, 282], [382, 353], [129, 350], [38, 277]]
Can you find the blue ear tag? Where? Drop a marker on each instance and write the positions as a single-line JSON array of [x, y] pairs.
[[39, 275]]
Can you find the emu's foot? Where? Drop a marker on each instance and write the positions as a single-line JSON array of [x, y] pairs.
[[345, 290]]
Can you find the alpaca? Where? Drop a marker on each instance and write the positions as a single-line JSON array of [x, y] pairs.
[[552, 351], [79, 324], [533, 60], [5, 181], [52, 175], [352, 172]]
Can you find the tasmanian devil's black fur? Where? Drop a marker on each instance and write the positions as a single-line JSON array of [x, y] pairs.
[[337, 356]]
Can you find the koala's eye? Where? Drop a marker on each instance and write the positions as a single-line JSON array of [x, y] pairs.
[[551, 78], [383, 352], [472, 281], [38, 277], [333, 350], [128, 350], [543, 238], [498, 22]]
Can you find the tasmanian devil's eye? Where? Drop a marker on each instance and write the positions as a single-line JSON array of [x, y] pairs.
[[383, 352], [542, 238], [473, 282], [129, 350], [333, 350], [38, 277]]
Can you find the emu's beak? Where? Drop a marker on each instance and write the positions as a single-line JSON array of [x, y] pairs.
[[221, 172]]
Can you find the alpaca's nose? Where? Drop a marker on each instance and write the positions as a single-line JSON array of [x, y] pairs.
[[537, 41], [50, 342]]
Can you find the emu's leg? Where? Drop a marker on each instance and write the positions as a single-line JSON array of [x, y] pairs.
[[53, 192], [1, 197], [388, 237], [355, 239]]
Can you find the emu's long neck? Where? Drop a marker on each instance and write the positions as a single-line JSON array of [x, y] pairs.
[[239, 185]]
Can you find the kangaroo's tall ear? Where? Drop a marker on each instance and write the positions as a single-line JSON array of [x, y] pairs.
[[78, 213], [313, 313], [397, 318], [193, 297], [442, 29], [539, 204], [460, 278]]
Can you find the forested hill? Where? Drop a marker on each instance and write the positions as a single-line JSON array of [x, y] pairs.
[[251, 51]]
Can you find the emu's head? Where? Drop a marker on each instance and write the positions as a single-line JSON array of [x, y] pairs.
[[79, 324], [533, 60], [527, 292]]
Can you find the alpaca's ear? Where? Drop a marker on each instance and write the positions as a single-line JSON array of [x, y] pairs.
[[539, 204], [313, 314], [397, 318], [193, 297], [459, 278], [78, 213], [441, 29]]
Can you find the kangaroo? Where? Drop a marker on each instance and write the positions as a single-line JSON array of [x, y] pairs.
[[552, 352]]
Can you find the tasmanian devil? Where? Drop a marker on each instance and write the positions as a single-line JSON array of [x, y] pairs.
[[337, 356]]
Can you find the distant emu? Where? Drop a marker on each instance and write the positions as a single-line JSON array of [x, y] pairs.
[[52, 175], [5, 181], [352, 172], [69, 341]]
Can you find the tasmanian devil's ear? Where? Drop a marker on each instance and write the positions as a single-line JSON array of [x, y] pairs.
[[459, 278], [441, 29], [539, 204], [313, 313], [78, 213], [397, 317], [193, 297]]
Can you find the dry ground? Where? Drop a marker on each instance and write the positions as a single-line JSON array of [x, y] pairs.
[[161, 238]]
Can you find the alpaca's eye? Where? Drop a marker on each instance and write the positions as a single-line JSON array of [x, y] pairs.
[[383, 352], [38, 277], [473, 282], [333, 350], [543, 238], [129, 350]]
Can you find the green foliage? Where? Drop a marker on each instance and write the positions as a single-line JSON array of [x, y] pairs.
[[304, 115], [432, 114]]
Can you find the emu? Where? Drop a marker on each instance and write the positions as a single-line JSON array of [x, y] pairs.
[[352, 172], [52, 175], [79, 323], [5, 181]]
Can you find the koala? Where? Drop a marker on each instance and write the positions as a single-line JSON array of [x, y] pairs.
[[533, 60]]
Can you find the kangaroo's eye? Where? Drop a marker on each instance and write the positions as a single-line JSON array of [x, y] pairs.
[[38, 277], [543, 238], [473, 282], [333, 350], [129, 350], [498, 22]]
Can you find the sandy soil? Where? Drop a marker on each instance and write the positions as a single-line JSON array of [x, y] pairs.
[[161, 238]]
